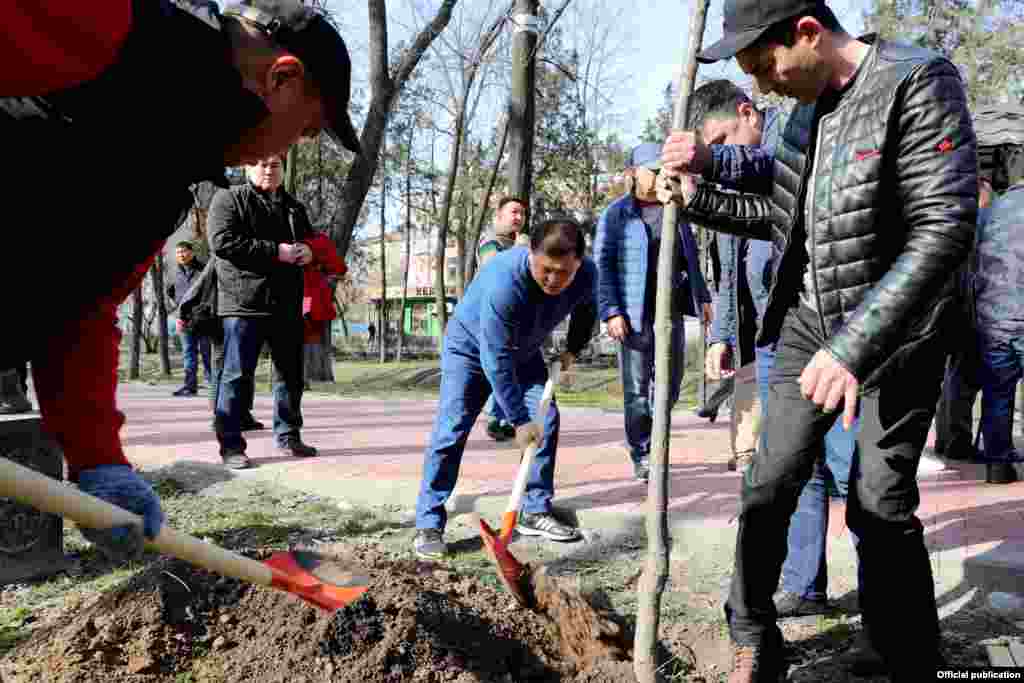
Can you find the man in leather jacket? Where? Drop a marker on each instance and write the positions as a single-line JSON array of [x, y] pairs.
[[873, 206]]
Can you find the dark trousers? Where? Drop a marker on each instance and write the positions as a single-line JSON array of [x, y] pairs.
[[636, 370], [954, 417], [1002, 366], [898, 591], [193, 347], [243, 340]]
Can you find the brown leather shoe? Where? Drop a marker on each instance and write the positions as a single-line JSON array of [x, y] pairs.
[[755, 665]]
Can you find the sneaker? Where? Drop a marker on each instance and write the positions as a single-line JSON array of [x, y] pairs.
[[788, 604], [756, 665], [862, 659], [496, 431], [251, 424], [508, 430], [235, 459], [707, 413], [429, 544], [185, 391], [642, 469], [741, 462], [297, 449], [544, 524]]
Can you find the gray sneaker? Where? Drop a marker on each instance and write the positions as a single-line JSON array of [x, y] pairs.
[[429, 544], [544, 524]]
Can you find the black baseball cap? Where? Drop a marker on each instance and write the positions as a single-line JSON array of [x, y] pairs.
[[747, 20], [307, 34]]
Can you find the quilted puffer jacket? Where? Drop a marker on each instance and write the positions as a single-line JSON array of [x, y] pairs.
[[886, 184]]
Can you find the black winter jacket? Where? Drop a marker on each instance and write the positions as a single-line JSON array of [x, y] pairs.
[[246, 227], [887, 184]]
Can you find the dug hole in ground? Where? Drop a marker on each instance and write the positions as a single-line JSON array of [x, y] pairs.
[[419, 621]]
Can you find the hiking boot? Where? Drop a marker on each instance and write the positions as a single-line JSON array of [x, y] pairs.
[[862, 659], [251, 424], [642, 469], [496, 431], [1000, 473], [297, 449], [789, 604], [185, 391], [235, 459], [544, 524], [755, 665], [429, 544], [740, 462], [508, 430]]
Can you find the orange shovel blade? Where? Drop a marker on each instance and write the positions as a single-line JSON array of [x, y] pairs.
[[297, 572], [511, 572]]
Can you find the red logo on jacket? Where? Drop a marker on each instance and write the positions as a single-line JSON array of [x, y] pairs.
[[945, 146], [863, 154]]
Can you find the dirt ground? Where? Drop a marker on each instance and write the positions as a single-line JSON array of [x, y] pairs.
[[418, 622]]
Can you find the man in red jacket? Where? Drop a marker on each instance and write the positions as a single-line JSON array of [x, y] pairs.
[[144, 98]]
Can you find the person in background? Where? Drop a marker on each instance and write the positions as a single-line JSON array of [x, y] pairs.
[[193, 345], [503, 235], [626, 252]]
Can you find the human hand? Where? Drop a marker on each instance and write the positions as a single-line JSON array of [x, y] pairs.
[[678, 189], [683, 152], [826, 382], [303, 254], [618, 328], [122, 486], [528, 434], [708, 314], [567, 359], [718, 361], [287, 253]]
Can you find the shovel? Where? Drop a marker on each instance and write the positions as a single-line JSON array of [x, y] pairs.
[[512, 572], [320, 581]]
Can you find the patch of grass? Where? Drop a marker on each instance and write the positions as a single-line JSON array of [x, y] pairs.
[[168, 488], [12, 627]]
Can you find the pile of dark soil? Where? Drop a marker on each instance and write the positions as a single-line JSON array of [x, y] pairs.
[[418, 622]]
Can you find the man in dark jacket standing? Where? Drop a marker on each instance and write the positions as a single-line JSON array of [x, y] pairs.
[[257, 232], [626, 254], [192, 344], [873, 206], [90, 81]]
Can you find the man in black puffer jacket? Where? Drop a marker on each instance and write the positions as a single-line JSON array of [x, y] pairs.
[[873, 211]]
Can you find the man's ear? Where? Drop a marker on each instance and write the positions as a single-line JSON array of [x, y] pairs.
[[630, 172], [286, 70], [809, 29]]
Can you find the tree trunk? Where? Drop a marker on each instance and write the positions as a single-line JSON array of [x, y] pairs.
[[135, 364], [382, 331], [441, 301], [522, 105], [655, 575], [157, 273], [471, 262], [385, 89], [408, 245]]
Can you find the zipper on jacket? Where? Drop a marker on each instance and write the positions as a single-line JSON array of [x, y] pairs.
[[809, 226]]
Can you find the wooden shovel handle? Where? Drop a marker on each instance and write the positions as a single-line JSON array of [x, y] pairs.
[[516, 499], [43, 493]]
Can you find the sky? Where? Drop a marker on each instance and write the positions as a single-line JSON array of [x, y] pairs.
[[656, 32]]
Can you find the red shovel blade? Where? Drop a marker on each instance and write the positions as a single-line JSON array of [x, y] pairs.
[[511, 572], [322, 582]]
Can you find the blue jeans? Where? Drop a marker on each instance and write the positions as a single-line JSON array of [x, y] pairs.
[[464, 388], [194, 345], [243, 340], [805, 571], [493, 408], [636, 369], [1002, 366]]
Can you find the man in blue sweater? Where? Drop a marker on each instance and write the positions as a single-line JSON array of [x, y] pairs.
[[494, 339]]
